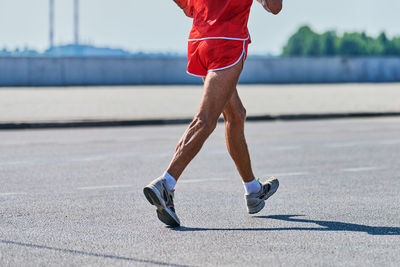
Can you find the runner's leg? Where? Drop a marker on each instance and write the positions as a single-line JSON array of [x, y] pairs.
[[235, 117], [219, 87]]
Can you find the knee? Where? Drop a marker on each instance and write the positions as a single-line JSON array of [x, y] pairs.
[[236, 117], [204, 125], [242, 114]]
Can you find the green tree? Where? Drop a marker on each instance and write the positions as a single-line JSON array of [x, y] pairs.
[[395, 46], [294, 47], [374, 47], [305, 42], [328, 43], [313, 45], [384, 42], [353, 44]]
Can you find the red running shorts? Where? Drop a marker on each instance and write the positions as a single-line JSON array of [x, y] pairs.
[[213, 54]]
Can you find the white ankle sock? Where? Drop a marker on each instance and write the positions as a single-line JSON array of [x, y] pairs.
[[252, 187], [170, 180]]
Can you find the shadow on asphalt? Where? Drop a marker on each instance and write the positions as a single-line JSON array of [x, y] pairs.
[[333, 226], [93, 254]]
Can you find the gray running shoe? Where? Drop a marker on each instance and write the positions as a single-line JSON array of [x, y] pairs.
[[256, 201], [158, 195]]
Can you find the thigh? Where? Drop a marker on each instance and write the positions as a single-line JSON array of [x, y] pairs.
[[219, 87]]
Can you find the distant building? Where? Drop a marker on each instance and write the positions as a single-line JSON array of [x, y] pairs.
[[73, 50], [17, 52], [80, 50]]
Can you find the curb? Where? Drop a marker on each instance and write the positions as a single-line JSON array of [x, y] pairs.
[[150, 122]]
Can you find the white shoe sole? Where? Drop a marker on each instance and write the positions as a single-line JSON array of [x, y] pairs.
[[261, 205], [164, 214]]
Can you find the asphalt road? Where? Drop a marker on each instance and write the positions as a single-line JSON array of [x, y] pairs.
[[74, 197]]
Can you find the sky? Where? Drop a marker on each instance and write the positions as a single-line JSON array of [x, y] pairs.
[[160, 26]]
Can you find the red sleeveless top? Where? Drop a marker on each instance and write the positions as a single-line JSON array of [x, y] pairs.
[[218, 18]]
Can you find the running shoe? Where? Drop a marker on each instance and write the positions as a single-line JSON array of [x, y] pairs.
[[256, 201], [158, 195]]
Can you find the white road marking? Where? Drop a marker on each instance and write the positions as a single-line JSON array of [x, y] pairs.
[[21, 162], [363, 143], [218, 152], [361, 169], [389, 142], [189, 181], [93, 158], [12, 194], [105, 187], [338, 145], [283, 148], [277, 175]]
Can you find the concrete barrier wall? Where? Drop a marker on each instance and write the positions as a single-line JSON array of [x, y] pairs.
[[322, 70], [53, 71]]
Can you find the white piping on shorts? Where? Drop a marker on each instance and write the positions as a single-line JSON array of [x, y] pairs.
[[195, 75], [226, 38], [237, 61]]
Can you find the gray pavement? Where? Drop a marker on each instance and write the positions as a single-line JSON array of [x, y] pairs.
[[35, 105], [74, 197]]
